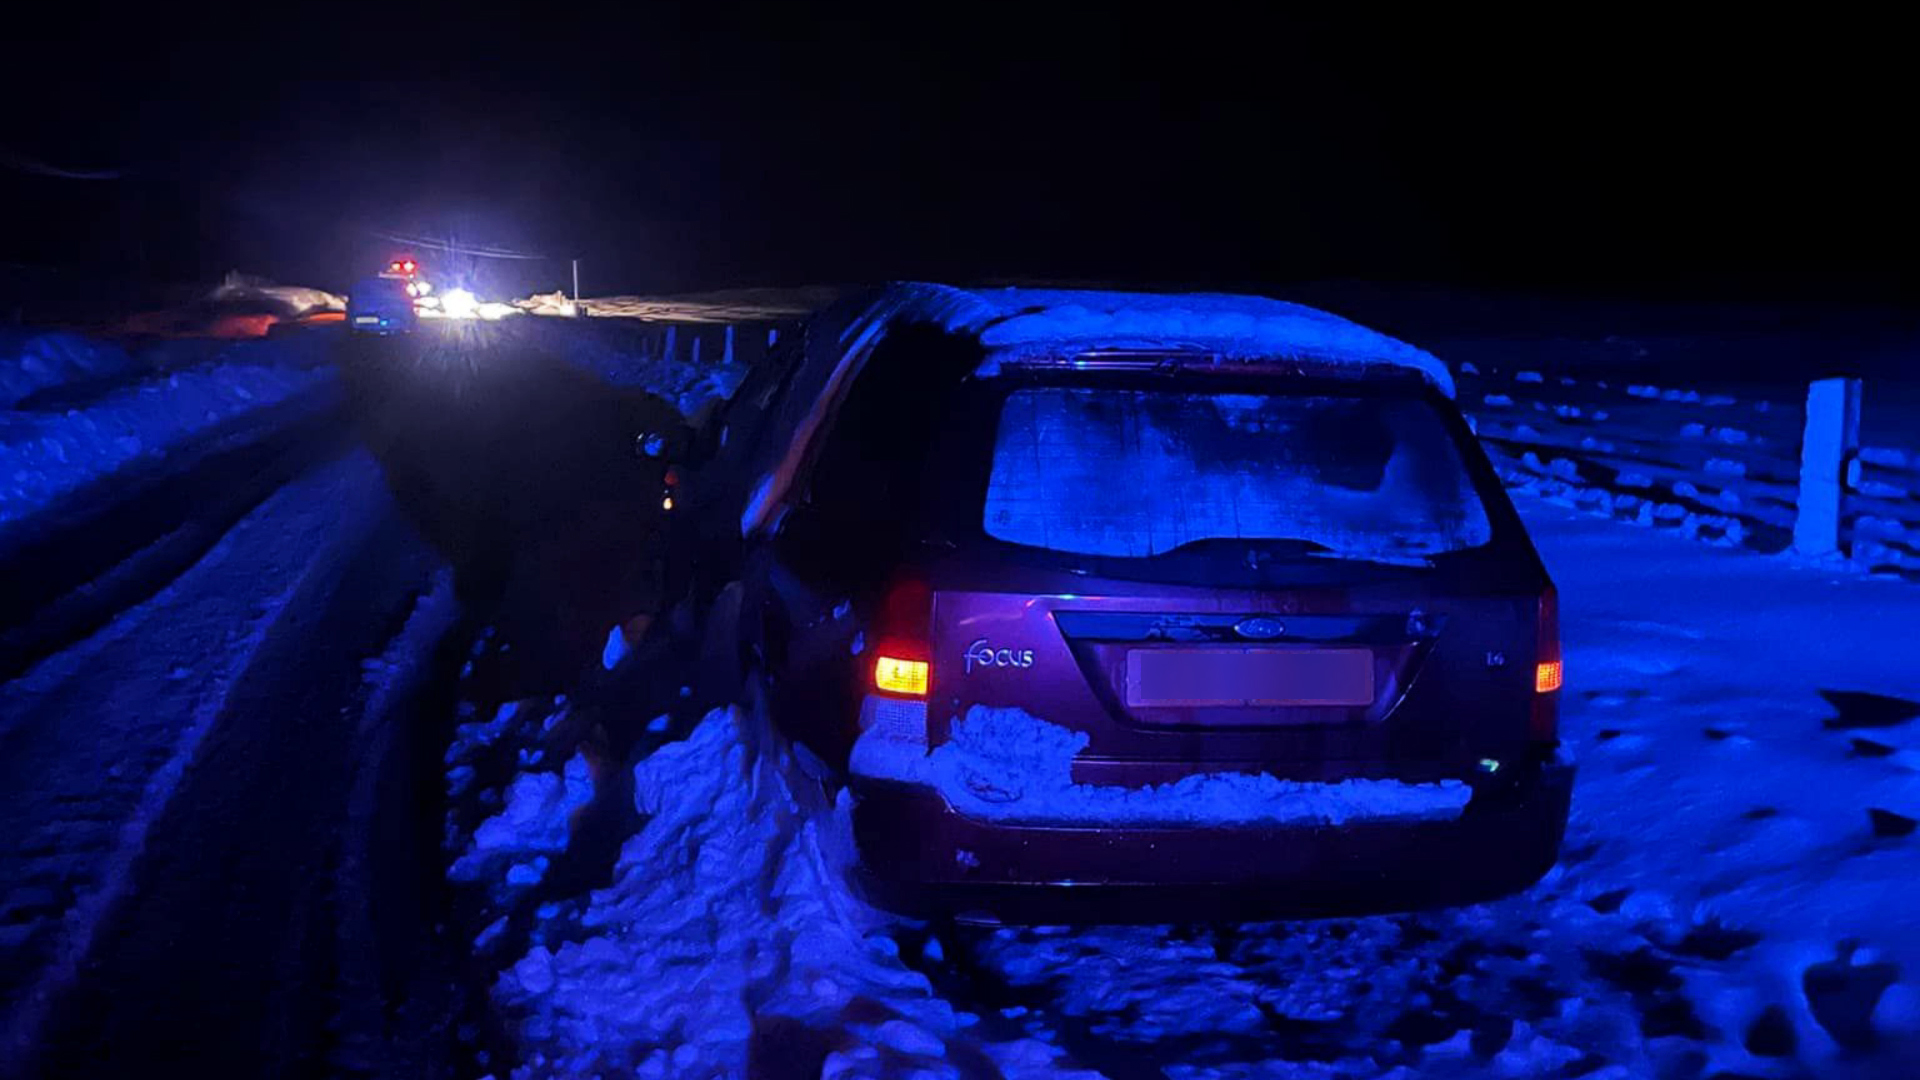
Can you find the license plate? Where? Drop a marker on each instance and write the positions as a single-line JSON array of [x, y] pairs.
[[1229, 677], [367, 320]]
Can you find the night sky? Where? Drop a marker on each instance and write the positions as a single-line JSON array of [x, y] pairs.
[[778, 145]]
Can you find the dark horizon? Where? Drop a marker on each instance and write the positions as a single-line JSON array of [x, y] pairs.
[[764, 146]]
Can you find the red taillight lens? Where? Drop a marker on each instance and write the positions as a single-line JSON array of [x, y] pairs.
[[1549, 671], [408, 266], [902, 658]]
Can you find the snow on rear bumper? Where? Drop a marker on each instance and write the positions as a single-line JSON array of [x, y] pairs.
[[920, 855]]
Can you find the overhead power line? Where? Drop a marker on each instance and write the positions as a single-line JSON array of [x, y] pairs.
[[455, 248]]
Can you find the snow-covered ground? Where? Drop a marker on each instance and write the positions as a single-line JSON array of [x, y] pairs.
[[1730, 898], [119, 410]]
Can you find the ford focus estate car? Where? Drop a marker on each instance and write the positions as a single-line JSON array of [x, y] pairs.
[[1124, 606]]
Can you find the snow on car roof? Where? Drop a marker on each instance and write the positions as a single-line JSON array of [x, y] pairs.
[[1013, 323]]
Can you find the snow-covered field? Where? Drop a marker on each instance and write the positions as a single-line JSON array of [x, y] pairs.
[[1730, 898], [78, 410], [1720, 463]]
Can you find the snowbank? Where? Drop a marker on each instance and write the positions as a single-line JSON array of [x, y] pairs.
[[530, 830], [1010, 766], [32, 361], [44, 455], [729, 943], [290, 300], [554, 303]]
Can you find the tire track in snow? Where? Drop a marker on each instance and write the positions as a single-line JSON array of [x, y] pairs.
[[316, 518]]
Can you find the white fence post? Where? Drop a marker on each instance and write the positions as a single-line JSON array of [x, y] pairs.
[[1832, 438]]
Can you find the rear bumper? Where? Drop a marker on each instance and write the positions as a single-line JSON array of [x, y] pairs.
[[920, 856]]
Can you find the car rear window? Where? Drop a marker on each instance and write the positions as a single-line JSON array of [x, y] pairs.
[[1123, 473]]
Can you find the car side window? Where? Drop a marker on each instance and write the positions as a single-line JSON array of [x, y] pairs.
[[868, 470], [871, 470]]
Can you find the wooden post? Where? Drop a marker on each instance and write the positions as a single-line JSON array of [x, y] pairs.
[[1832, 438]]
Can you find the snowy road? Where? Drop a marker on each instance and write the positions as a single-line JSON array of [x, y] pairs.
[[225, 678], [199, 816]]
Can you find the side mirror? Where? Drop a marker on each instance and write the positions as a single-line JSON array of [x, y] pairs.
[[663, 444], [650, 444]]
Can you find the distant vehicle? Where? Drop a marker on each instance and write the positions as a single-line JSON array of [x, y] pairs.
[[1124, 606], [382, 305]]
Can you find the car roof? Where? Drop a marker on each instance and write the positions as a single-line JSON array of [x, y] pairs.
[[1002, 326], [1012, 324]]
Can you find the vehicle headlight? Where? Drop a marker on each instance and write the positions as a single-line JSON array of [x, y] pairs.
[[459, 304]]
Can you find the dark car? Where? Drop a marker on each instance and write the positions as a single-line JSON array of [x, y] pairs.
[[1126, 606], [381, 305]]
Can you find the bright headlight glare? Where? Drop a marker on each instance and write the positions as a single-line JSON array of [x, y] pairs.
[[459, 304]]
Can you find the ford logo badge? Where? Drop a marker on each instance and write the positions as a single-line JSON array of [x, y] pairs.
[[1260, 628]]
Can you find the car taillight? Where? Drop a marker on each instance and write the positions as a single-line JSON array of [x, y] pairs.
[[1549, 671], [902, 658], [898, 675]]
